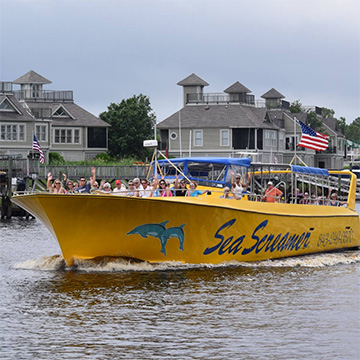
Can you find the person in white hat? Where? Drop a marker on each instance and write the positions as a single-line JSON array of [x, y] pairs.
[[272, 194]]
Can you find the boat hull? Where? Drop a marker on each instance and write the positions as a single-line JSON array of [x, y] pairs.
[[190, 230]]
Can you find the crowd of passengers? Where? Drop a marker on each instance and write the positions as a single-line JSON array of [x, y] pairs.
[[138, 188], [162, 188]]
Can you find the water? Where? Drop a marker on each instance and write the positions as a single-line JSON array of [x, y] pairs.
[[299, 308]]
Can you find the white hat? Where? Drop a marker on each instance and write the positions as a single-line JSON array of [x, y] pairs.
[[107, 185], [270, 183]]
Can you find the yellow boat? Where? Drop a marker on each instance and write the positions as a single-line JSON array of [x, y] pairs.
[[204, 229]]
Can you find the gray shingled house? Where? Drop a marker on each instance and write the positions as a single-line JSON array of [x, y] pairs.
[[234, 124], [60, 125]]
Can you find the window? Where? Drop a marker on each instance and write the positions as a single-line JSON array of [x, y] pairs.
[[67, 136], [6, 106], [198, 138], [41, 132], [224, 138], [12, 132], [281, 141], [60, 112], [270, 138], [36, 91], [97, 137]]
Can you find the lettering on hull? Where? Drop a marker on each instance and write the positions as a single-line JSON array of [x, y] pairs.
[[262, 241]]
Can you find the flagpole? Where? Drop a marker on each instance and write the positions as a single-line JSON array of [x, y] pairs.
[[295, 155]]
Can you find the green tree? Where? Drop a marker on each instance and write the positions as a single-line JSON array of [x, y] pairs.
[[352, 131], [327, 113], [315, 122], [296, 107], [341, 124], [132, 121]]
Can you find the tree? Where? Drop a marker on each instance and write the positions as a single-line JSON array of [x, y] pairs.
[[341, 124], [315, 122], [352, 131], [296, 107], [327, 113], [132, 121]]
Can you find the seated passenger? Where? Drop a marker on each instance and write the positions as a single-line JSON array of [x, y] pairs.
[[120, 188], [56, 187], [226, 194], [193, 192], [132, 191], [180, 187], [146, 192], [305, 200], [272, 194], [167, 192], [334, 200], [85, 187]]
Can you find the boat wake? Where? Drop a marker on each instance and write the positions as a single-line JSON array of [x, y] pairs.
[[118, 264]]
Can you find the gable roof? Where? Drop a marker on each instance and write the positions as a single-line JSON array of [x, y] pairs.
[[31, 77], [80, 117], [331, 123], [272, 94], [191, 80], [21, 113], [237, 88], [218, 116]]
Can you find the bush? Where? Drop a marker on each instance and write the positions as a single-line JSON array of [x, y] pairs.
[[56, 159], [103, 158]]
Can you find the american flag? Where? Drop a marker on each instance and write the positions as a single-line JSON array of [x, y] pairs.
[[312, 139], [36, 146]]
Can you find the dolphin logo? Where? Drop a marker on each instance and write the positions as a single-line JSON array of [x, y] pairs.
[[175, 232], [149, 229], [159, 231]]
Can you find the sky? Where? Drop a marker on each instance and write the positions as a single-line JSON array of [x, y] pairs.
[[110, 50]]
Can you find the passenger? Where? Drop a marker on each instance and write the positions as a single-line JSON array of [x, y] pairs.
[[237, 186], [180, 187], [334, 200], [70, 187], [132, 191], [76, 185], [193, 192], [146, 192], [272, 194], [167, 192], [106, 188], [162, 188], [305, 200], [226, 194], [120, 188], [95, 187], [138, 186], [154, 187], [295, 197], [56, 187], [85, 187]]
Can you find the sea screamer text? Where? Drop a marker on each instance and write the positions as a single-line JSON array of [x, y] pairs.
[[262, 241]]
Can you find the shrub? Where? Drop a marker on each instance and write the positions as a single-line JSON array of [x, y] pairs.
[[56, 159]]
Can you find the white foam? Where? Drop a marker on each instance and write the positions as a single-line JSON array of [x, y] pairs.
[[118, 264]]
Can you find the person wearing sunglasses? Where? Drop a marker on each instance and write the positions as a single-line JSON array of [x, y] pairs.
[[180, 186], [56, 187], [146, 192], [85, 187]]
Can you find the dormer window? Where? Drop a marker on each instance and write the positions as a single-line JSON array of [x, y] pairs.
[[6, 106], [61, 112], [36, 88]]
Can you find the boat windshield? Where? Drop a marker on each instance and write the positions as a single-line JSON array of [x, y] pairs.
[[205, 171]]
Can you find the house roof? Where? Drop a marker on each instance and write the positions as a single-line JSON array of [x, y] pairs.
[[31, 77], [237, 88], [14, 115], [272, 94], [218, 116], [80, 117], [191, 80], [331, 123]]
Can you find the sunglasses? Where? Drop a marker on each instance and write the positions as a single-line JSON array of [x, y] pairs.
[[57, 183], [144, 183], [131, 184]]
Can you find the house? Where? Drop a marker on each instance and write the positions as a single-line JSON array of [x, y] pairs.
[[234, 123], [59, 124]]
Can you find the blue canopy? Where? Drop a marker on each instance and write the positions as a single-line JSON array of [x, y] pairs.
[[309, 170], [210, 160]]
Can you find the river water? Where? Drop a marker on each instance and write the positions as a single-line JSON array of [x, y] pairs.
[[299, 308]]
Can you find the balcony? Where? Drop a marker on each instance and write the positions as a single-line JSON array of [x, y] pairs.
[[220, 98], [44, 95]]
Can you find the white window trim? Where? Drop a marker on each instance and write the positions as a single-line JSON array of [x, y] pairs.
[[59, 116], [221, 143], [15, 109], [17, 132], [46, 133], [202, 138], [72, 136]]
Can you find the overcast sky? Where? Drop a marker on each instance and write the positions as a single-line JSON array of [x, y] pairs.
[[109, 50]]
